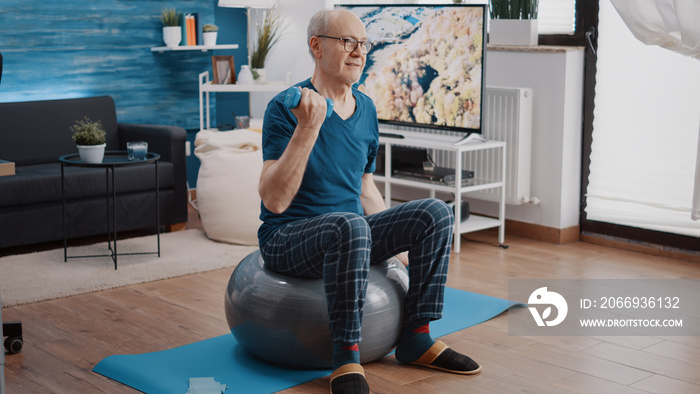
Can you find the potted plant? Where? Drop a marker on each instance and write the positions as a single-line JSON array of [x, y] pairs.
[[513, 22], [90, 137], [172, 32], [209, 33], [267, 36]]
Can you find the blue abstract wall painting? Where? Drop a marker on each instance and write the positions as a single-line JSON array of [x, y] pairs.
[[78, 48]]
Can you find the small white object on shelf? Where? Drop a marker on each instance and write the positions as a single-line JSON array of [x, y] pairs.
[[245, 76]]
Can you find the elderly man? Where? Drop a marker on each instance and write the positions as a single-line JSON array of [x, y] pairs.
[[323, 216]]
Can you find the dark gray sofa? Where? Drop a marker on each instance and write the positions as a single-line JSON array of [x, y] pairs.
[[34, 134]]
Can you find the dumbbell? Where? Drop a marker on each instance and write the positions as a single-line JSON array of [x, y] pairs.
[[291, 100]]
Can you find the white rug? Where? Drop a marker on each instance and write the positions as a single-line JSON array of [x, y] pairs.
[[43, 276]]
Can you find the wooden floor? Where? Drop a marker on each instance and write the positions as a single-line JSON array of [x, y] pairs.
[[65, 338]]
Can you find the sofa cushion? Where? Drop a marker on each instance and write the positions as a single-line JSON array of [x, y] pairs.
[[41, 183], [35, 132]]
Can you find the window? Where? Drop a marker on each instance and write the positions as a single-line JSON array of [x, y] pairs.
[[643, 151]]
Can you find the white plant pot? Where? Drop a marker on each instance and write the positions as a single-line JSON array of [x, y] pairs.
[[92, 153], [261, 75], [209, 38], [513, 32], [172, 35]]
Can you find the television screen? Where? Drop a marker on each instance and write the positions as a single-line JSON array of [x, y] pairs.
[[426, 66]]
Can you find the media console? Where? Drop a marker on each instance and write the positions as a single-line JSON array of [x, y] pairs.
[[459, 188]]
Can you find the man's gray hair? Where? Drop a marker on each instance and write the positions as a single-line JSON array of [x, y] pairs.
[[319, 25]]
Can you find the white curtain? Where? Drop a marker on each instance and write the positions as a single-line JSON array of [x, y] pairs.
[[674, 25]]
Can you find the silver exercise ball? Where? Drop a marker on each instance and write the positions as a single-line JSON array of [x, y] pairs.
[[284, 320]]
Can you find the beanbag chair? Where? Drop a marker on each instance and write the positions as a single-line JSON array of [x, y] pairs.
[[227, 184]]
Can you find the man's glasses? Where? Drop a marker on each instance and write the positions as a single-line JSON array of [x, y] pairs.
[[350, 44]]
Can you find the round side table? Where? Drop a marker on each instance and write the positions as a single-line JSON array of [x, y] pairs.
[[112, 160]]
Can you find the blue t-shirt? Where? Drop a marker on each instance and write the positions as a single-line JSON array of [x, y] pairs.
[[344, 151]]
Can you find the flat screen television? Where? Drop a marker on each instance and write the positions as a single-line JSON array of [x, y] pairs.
[[426, 68]]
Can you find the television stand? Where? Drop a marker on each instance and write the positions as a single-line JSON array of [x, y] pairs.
[[470, 138], [461, 187]]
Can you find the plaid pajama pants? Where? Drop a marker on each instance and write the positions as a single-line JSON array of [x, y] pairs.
[[339, 247]]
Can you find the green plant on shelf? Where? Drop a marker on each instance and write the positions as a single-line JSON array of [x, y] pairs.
[[208, 28], [170, 17], [513, 9], [268, 33]]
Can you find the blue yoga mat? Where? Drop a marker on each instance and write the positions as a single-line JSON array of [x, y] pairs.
[[223, 359]]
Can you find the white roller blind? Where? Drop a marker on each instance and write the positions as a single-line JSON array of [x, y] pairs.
[[645, 132], [557, 17]]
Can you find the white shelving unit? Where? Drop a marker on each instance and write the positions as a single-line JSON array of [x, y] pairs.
[[440, 142], [206, 87], [202, 48]]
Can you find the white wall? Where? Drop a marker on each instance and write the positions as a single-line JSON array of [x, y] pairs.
[[556, 76], [291, 54]]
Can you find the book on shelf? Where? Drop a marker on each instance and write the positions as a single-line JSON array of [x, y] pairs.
[[191, 34], [183, 29], [197, 30], [189, 24]]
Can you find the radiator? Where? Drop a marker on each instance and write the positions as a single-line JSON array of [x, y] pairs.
[[507, 117]]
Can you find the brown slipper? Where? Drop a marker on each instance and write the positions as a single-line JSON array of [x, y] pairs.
[[349, 379], [439, 356]]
